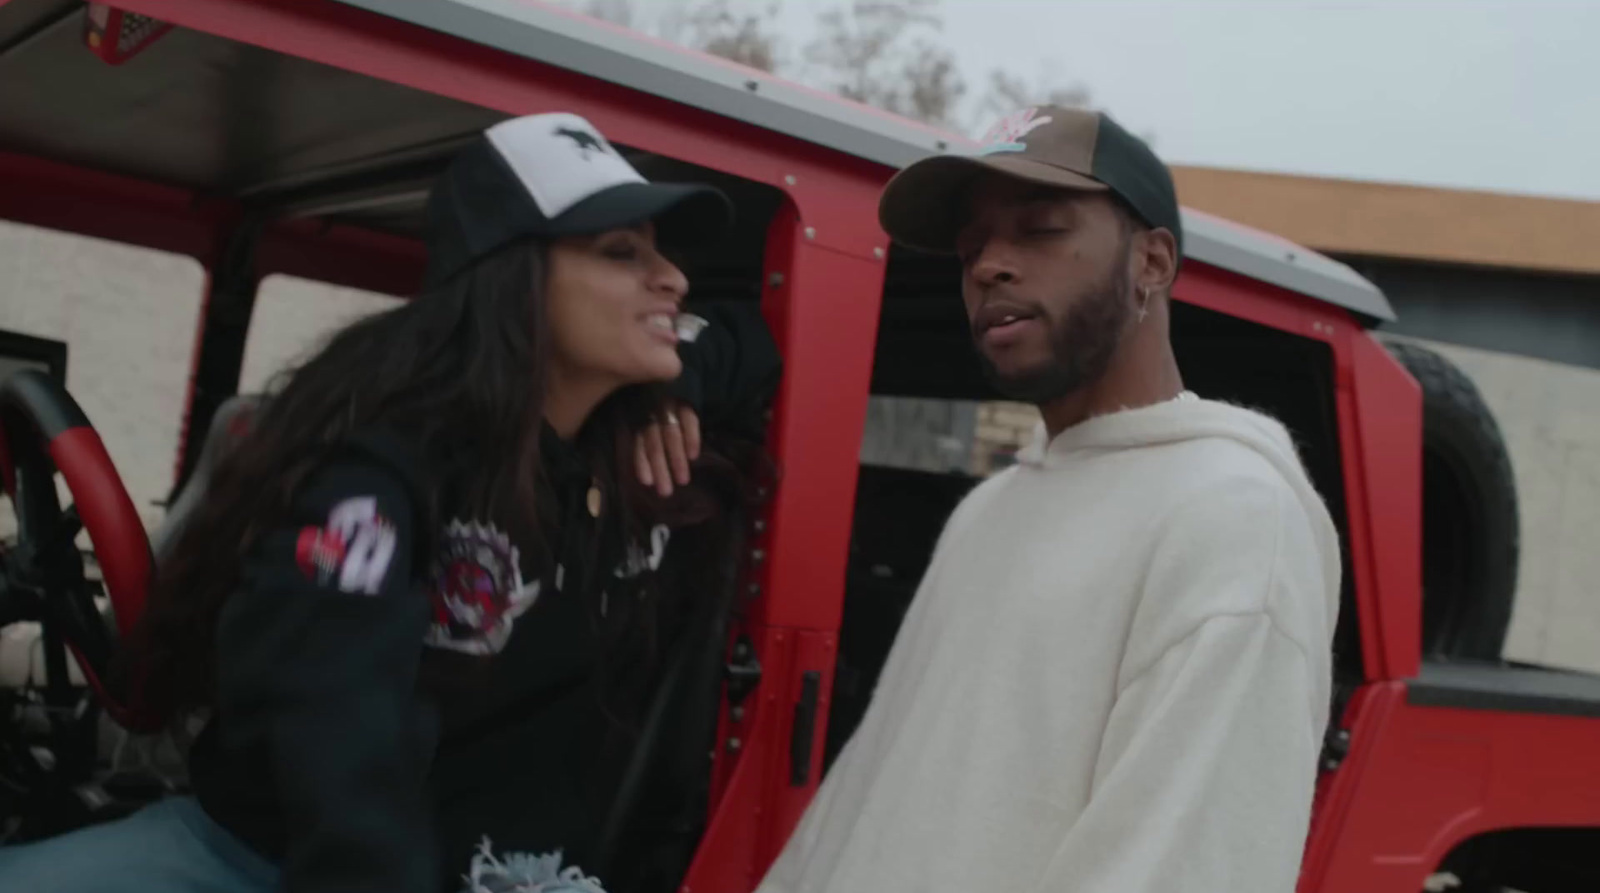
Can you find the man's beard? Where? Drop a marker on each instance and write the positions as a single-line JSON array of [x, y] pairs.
[[1081, 346]]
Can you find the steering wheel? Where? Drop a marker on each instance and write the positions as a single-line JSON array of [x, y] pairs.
[[42, 431]]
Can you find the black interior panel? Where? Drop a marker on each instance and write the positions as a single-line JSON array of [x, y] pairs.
[[1507, 688]]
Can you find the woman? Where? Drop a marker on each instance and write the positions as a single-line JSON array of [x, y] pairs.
[[444, 605]]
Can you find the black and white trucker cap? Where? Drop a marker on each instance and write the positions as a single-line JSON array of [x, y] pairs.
[[554, 175]]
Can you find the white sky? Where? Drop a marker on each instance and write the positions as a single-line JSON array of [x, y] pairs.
[[1464, 93]]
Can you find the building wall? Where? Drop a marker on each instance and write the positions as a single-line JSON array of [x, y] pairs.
[[128, 316]]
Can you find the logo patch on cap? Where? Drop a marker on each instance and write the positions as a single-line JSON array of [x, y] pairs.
[[584, 140], [560, 158], [1007, 133]]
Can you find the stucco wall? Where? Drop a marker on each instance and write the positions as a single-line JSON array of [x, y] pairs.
[[1550, 417]]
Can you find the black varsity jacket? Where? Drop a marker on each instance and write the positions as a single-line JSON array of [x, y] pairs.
[[327, 753]]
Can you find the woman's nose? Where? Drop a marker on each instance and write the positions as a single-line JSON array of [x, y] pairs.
[[671, 280]]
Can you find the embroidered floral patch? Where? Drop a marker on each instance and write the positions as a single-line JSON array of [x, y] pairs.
[[478, 591]]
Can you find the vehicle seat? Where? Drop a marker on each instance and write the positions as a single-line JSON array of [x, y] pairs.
[[228, 427]]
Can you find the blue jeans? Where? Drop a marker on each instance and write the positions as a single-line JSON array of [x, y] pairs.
[[171, 846], [174, 847]]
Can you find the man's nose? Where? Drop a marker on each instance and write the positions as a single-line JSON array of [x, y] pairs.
[[994, 266]]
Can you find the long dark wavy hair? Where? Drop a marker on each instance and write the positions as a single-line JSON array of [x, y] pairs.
[[459, 371]]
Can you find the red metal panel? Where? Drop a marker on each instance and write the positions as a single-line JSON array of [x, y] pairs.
[[1380, 429], [822, 306], [1373, 660], [342, 255], [1365, 718], [812, 652], [730, 858], [60, 196], [760, 807], [1381, 425], [823, 309], [1426, 779], [1243, 298]]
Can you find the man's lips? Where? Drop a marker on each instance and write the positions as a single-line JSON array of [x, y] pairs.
[[999, 316]]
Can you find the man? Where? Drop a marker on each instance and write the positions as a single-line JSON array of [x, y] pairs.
[[1116, 673]]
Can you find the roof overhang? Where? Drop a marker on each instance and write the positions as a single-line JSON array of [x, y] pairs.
[[1452, 226]]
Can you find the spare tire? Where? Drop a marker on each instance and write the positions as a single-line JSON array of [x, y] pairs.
[[1471, 534]]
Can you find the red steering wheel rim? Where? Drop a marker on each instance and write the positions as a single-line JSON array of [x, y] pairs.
[[108, 513]]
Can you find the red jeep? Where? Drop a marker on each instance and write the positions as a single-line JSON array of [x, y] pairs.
[[300, 136]]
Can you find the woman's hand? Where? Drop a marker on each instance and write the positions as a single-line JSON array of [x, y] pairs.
[[663, 450]]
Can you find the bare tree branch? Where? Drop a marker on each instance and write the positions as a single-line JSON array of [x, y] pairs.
[[617, 12], [933, 85], [878, 52], [744, 37], [884, 53], [1007, 92]]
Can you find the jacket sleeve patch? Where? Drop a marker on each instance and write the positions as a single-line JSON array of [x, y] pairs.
[[352, 551]]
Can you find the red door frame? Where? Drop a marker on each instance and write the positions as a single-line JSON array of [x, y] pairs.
[[1380, 432], [1379, 408]]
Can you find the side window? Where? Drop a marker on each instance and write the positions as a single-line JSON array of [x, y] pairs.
[[293, 319], [127, 316], [919, 457], [968, 437]]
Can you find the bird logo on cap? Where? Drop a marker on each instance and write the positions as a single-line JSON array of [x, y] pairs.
[[1007, 133], [583, 139]]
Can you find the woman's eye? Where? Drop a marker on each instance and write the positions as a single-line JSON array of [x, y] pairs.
[[620, 251]]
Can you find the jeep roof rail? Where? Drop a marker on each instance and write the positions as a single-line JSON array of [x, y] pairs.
[[611, 53]]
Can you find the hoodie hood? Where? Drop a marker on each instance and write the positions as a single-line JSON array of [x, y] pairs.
[[1185, 418]]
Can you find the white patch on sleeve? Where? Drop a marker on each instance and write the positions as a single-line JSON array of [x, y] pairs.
[[369, 541]]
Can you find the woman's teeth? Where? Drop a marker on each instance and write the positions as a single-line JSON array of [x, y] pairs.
[[686, 326]]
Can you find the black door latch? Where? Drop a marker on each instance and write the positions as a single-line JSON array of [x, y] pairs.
[[743, 670]]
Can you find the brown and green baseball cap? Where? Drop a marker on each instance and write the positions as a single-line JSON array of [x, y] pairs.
[[925, 205]]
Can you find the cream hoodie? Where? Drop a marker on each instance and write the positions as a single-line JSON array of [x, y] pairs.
[[1114, 679]]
